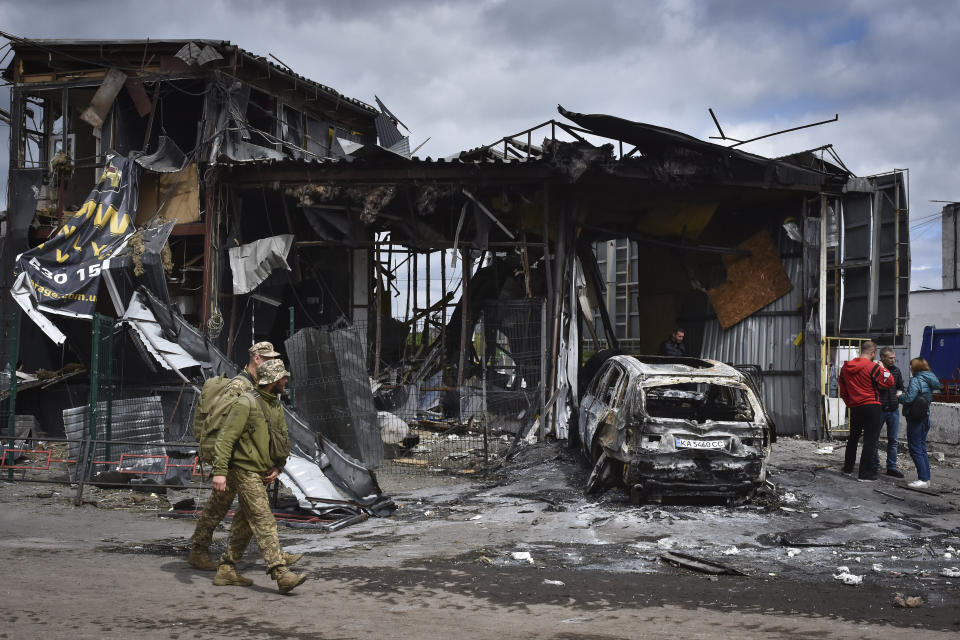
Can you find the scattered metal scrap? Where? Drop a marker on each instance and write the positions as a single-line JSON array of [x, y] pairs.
[[890, 495], [702, 565], [907, 522]]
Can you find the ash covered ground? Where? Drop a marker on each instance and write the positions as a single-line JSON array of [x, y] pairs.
[[520, 551]]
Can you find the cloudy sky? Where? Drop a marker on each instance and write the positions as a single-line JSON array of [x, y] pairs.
[[468, 73]]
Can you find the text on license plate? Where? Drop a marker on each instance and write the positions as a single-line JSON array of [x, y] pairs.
[[687, 443]]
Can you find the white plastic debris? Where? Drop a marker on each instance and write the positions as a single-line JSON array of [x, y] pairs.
[[522, 556], [948, 556], [792, 552], [789, 498], [824, 450], [814, 515], [877, 567], [555, 583], [666, 543], [392, 428], [951, 572], [476, 517], [843, 575], [732, 551]]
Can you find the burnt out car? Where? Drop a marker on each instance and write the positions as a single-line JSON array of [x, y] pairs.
[[675, 426]]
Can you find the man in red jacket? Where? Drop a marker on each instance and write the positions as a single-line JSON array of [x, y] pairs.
[[860, 382]]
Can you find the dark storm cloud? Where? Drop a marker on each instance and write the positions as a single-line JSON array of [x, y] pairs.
[[467, 73]]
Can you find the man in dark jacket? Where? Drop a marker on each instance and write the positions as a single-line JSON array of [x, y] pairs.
[[890, 414], [674, 345], [861, 380]]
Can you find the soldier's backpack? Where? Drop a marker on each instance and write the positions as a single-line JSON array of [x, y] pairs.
[[279, 438], [207, 418]]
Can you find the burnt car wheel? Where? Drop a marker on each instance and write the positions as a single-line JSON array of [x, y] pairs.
[[605, 474]]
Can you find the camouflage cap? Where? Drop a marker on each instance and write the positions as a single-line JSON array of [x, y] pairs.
[[264, 350], [271, 371]]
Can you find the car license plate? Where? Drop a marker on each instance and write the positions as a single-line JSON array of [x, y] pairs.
[[687, 443]]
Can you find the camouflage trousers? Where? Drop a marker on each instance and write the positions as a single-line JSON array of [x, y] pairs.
[[253, 519], [213, 512]]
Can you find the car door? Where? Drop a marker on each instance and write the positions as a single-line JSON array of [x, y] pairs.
[[597, 401]]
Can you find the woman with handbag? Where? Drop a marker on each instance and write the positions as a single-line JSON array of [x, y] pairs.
[[916, 409]]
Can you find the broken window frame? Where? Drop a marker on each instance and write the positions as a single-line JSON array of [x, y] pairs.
[[37, 140], [746, 396]]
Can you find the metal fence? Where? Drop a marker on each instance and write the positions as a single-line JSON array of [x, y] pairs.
[[440, 412], [121, 437], [431, 410]]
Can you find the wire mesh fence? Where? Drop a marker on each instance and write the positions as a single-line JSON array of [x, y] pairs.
[[116, 433], [439, 404], [446, 409]]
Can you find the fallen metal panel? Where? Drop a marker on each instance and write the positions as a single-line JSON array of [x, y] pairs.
[[20, 291], [312, 488], [186, 335], [146, 328]]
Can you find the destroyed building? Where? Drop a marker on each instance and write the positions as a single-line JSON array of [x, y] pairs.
[[236, 201]]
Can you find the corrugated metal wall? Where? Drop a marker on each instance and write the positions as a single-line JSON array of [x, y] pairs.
[[767, 339]]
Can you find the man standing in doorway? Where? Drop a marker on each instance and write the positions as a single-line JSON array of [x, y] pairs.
[[674, 346], [245, 463], [890, 412], [861, 380], [219, 503]]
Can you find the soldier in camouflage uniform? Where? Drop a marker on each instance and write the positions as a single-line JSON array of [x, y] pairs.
[[219, 502], [245, 456]]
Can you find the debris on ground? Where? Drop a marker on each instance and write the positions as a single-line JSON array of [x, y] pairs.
[[910, 602], [702, 565], [522, 556], [843, 575]]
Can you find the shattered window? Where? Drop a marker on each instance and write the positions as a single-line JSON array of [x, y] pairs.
[[261, 117], [699, 402], [609, 392], [291, 129], [41, 121]]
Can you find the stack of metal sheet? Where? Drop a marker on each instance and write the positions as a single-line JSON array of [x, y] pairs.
[[137, 423]]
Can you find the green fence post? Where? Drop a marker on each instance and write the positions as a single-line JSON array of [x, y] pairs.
[[290, 332], [92, 399], [13, 353], [106, 379]]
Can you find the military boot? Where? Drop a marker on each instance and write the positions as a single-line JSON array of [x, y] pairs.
[[290, 558], [200, 559], [227, 576], [287, 580]]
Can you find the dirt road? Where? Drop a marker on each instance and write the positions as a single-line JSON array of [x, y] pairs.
[[445, 564]]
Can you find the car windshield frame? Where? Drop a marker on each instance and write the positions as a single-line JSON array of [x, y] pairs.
[[642, 406]]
